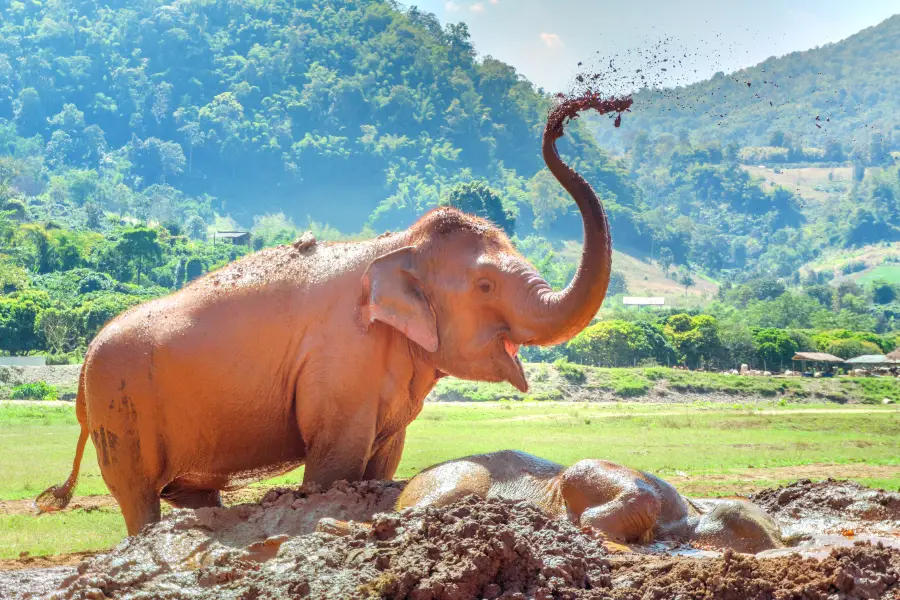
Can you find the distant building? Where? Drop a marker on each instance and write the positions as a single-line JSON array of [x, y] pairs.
[[643, 301], [236, 238]]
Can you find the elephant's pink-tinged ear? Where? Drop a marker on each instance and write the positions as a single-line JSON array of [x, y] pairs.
[[393, 294]]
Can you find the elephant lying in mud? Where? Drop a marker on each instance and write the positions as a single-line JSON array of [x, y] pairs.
[[320, 354], [625, 505]]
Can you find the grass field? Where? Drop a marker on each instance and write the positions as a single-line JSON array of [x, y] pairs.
[[889, 273], [704, 448]]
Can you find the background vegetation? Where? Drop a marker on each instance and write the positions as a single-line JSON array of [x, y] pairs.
[[130, 132]]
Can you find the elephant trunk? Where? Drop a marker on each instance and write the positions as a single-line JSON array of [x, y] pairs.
[[559, 316]]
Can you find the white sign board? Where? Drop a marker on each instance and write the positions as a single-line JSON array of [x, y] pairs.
[[641, 301]]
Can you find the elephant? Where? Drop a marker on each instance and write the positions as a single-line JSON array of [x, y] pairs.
[[319, 354], [623, 505]]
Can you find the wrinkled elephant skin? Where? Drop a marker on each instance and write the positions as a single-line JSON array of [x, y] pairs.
[[622, 504]]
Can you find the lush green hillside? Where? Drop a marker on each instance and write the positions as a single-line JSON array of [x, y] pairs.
[[131, 130], [349, 112], [843, 93]]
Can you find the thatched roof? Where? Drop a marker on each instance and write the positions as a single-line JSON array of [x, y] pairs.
[[818, 357], [895, 355]]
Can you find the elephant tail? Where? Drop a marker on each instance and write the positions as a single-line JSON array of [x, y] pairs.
[[58, 497]]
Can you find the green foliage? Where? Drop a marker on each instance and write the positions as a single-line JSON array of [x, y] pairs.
[[849, 348], [477, 198], [574, 374], [774, 347], [18, 316], [140, 247], [39, 390]]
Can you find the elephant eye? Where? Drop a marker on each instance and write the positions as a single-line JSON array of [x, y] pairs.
[[485, 286]]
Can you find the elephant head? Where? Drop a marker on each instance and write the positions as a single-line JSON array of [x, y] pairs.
[[459, 289]]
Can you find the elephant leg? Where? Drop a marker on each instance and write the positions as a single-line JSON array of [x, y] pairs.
[[384, 461], [184, 497], [630, 517], [140, 506], [342, 452]]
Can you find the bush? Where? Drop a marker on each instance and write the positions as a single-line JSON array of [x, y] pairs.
[[68, 358], [850, 348], [39, 390], [853, 266], [571, 373]]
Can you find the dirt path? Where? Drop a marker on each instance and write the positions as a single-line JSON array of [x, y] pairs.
[[25, 506], [676, 413], [745, 481]]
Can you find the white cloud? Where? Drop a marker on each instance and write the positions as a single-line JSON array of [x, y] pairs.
[[451, 6], [478, 7], [551, 40], [495, 1]]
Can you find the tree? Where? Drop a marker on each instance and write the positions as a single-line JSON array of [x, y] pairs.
[[883, 292], [666, 258], [774, 347], [59, 330], [18, 315], [479, 199], [139, 246], [196, 228], [686, 280], [93, 216]]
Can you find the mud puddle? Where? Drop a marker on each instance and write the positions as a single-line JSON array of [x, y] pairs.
[[290, 546]]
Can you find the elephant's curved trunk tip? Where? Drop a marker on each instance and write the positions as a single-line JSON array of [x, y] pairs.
[[562, 315]]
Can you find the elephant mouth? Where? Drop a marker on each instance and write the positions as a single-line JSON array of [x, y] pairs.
[[515, 370]]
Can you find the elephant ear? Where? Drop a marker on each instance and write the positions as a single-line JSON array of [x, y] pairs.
[[393, 294]]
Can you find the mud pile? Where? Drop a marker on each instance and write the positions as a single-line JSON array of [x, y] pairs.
[[861, 571], [291, 546], [844, 500], [472, 549]]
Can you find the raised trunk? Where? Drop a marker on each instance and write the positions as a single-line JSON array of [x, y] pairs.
[[559, 316]]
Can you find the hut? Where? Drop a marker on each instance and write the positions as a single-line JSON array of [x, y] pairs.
[[827, 361], [873, 362], [236, 238]]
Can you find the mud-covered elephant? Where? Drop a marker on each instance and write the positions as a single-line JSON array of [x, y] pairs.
[[319, 354], [625, 505]]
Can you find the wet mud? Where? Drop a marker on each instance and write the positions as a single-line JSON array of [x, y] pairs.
[[838, 500], [346, 543]]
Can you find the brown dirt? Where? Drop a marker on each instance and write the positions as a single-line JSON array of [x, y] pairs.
[[25, 506], [844, 500], [475, 549], [861, 571]]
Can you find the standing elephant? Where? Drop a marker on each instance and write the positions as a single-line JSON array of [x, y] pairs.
[[319, 354]]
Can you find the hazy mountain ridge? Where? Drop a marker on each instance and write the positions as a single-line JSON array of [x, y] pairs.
[[844, 91]]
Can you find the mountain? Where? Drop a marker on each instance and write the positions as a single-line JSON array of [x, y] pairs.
[[349, 112], [845, 92]]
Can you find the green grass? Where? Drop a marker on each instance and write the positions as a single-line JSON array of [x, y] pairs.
[[37, 444], [889, 273], [60, 533], [557, 382]]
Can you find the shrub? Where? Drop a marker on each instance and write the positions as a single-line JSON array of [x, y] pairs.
[[850, 348], [571, 373], [39, 390]]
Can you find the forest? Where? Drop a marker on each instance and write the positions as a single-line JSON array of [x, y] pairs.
[[132, 131]]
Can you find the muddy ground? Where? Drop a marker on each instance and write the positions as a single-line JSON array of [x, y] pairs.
[[290, 546]]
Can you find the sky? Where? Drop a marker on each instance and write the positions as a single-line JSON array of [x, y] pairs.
[[546, 39]]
